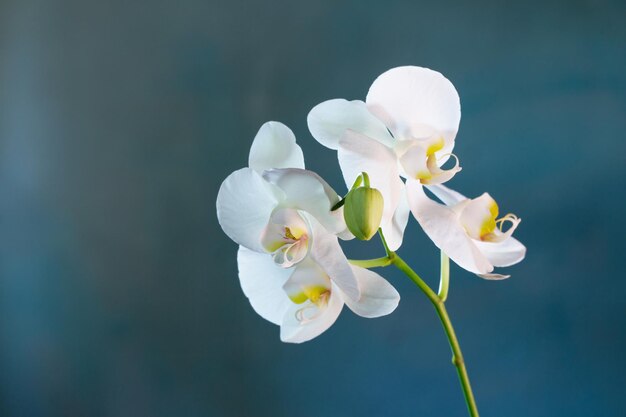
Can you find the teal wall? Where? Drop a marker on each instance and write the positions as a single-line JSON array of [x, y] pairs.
[[118, 290]]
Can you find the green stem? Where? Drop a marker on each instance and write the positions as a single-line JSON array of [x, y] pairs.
[[371, 263], [457, 355], [382, 239], [444, 279]]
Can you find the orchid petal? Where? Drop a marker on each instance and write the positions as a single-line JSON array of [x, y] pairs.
[[274, 146], [394, 230], [505, 253], [327, 252], [295, 330], [446, 195], [307, 191], [411, 99], [443, 227], [262, 282], [357, 154], [329, 120], [378, 297], [244, 205]]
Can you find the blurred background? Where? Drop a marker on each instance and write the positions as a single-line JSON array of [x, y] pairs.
[[118, 290]]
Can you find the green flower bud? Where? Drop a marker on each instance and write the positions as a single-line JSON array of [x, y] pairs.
[[363, 210]]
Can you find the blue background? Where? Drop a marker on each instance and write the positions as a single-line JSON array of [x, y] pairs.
[[118, 290]]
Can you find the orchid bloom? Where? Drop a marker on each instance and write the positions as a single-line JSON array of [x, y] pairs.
[[280, 215], [305, 300], [405, 128], [467, 230]]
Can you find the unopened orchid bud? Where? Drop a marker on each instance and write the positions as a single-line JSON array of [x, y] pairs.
[[363, 211]]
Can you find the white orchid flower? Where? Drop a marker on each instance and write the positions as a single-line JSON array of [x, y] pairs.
[[467, 230], [291, 266], [263, 209], [305, 300], [406, 127]]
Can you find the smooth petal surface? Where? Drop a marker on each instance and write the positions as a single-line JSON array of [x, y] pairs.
[[378, 297], [274, 146], [394, 230], [359, 153], [319, 319], [408, 99], [446, 195], [262, 282], [442, 226], [327, 252], [329, 120], [307, 191], [505, 253], [244, 205]]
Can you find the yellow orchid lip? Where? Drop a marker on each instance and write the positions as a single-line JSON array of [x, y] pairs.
[[317, 294], [479, 217], [421, 160]]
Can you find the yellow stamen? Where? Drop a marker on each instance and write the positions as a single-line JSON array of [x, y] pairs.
[[288, 234]]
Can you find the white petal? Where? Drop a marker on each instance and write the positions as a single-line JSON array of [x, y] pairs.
[[329, 120], [394, 230], [293, 330], [442, 226], [327, 252], [411, 99], [262, 282], [307, 191], [244, 205], [505, 253], [358, 153], [378, 297], [446, 195], [274, 146]]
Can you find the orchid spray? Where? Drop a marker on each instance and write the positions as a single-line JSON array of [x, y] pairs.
[[391, 148]]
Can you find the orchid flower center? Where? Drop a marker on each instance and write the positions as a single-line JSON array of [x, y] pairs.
[[479, 217], [310, 287], [286, 237], [421, 159]]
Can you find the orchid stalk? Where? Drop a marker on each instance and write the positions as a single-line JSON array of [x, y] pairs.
[[392, 148], [438, 302]]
